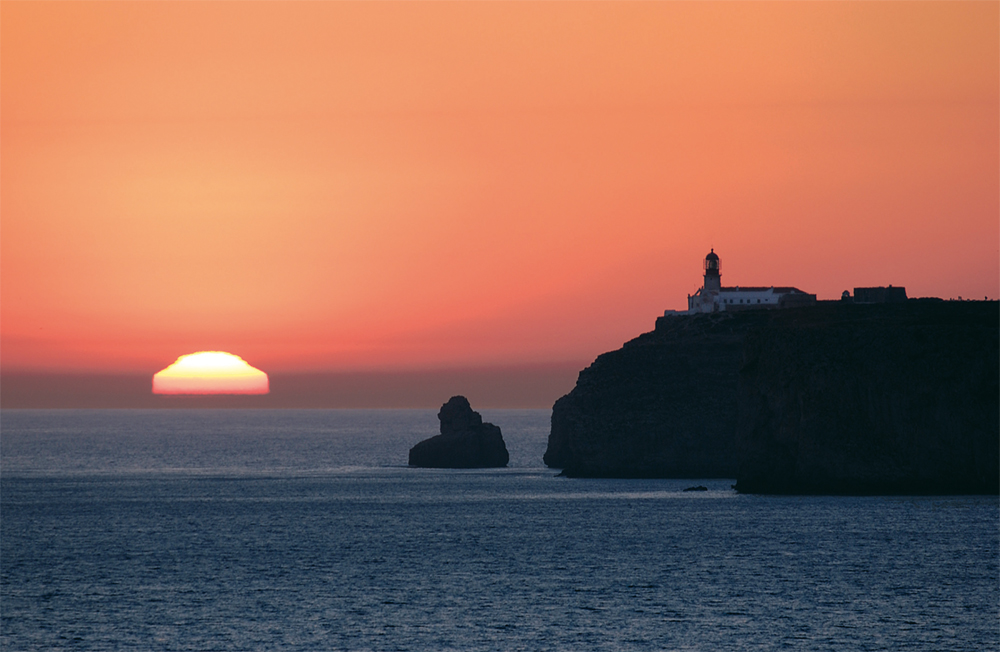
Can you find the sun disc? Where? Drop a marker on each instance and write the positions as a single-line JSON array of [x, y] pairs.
[[210, 372]]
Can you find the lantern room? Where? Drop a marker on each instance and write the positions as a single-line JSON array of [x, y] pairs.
[[713, 280]]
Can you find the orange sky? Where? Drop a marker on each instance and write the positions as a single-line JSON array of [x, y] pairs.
[[351, 186]]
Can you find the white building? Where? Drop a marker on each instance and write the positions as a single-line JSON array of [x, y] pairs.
[[712, 297]]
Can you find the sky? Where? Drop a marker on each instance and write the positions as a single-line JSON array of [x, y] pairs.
[[393, 187]]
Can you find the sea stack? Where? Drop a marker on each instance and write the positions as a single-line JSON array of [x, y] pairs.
[[465, 441]]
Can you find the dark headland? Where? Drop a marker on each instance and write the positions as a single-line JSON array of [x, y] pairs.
[[838, 398]]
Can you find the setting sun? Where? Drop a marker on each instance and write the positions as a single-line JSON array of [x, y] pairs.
[[210, 372]]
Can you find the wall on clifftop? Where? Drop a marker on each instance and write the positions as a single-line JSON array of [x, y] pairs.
[[872, 399]]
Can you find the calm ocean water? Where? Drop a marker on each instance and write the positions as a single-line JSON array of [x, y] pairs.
[[304, 530]]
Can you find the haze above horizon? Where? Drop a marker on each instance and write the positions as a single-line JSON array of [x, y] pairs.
[[335, 187]]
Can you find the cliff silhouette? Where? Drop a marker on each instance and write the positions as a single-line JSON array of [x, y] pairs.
[[833, 398]]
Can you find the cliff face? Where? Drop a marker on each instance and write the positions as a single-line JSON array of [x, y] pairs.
[[872, 399], [664, 405], [834, 398]]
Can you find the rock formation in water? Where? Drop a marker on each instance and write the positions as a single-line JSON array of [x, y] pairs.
[[835, 398], [465, 441]]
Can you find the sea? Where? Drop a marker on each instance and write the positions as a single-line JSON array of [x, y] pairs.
[[306, 530]]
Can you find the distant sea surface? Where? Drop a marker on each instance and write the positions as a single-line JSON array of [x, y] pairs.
[[305, 530]]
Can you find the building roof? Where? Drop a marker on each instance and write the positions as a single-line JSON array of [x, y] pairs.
[[777, 290]]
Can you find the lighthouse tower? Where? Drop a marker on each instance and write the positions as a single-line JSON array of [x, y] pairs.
[[713, 280]]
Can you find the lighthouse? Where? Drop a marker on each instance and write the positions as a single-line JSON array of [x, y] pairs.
[[712, 297], [713, 279]]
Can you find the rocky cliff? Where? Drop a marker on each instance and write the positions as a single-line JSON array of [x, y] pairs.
[[664, 405], [833, 398], [899, 398]]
